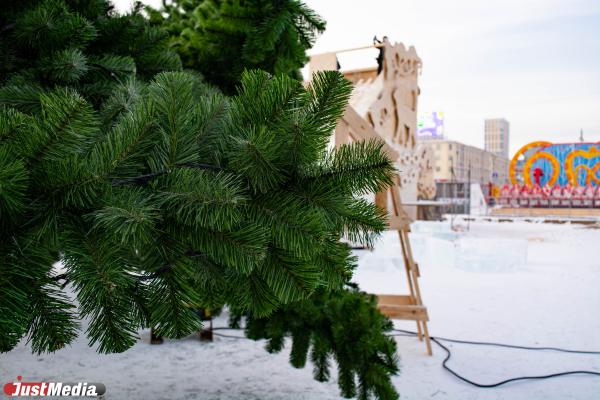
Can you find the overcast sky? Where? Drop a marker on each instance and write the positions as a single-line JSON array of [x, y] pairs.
[[533, 62]]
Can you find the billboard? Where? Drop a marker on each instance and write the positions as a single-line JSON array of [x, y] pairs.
[[430, 125]]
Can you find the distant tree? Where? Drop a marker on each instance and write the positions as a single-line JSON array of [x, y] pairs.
[[222, 38], [82, 44]]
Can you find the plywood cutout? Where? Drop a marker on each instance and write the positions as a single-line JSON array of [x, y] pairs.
[[387, 101]]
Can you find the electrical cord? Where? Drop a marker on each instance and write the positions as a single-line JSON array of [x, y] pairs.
[[230, 336], [493, 385], [510, 346], [437, 340]]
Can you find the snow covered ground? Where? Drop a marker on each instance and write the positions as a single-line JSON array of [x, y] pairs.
[[511, 282]]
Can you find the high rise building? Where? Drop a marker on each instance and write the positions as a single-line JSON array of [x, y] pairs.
[[497, 136]]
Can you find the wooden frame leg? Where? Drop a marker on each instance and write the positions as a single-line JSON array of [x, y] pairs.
[[427, 338], [419, 331]]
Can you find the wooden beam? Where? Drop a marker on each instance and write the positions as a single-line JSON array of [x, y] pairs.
[[362, 130], [414, 313], [396, 223], [395, 300], [372, 46]]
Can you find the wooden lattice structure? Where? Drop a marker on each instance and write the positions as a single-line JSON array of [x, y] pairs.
[[384, 108]]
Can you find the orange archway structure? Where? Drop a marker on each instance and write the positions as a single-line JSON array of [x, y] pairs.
[[512, 169]]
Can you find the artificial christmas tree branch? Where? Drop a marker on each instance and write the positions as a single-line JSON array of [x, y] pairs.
[[160, 195], [103, 232]]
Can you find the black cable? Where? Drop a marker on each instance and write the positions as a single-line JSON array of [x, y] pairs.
[[493, 385], [510, 346], [437, 340], [230, 336], [226, 328]]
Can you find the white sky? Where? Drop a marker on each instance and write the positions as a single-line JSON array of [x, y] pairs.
[[533, 62]]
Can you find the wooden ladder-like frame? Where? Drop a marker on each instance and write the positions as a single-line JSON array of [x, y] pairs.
[[352, 127], [407, 307]]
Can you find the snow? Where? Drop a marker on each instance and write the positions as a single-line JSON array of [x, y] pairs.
[[516, 282]]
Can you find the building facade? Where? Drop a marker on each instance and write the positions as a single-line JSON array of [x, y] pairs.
[[497, 134], [459, 162]]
